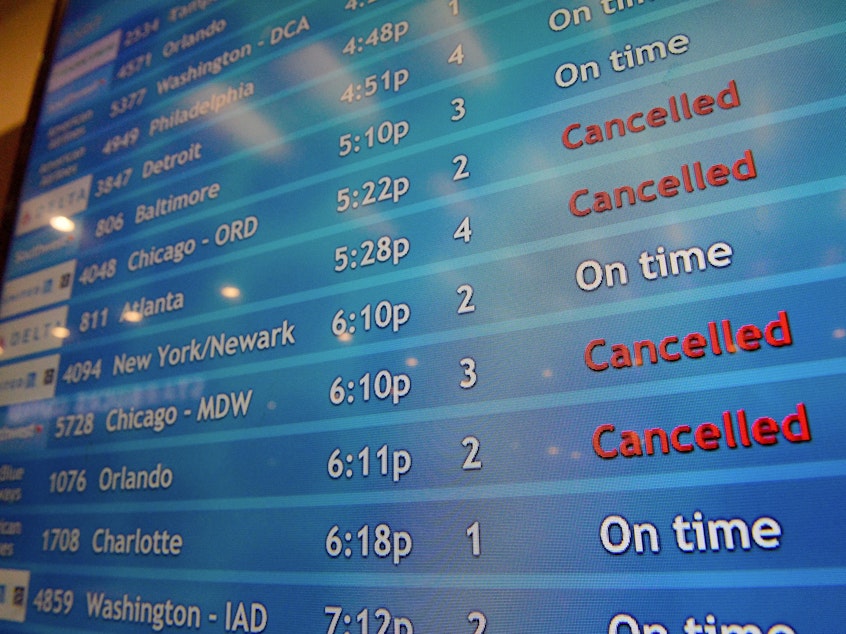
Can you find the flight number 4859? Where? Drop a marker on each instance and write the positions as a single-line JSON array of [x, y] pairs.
[[53, 601]]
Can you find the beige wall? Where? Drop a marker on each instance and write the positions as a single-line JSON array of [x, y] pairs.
[[23, 29]]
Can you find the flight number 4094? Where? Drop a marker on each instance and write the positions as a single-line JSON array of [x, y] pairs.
[[82, 371]]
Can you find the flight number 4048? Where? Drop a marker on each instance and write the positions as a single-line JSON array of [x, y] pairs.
[[98, 271]]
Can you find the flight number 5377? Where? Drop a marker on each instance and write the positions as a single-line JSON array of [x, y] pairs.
[[82, 371]]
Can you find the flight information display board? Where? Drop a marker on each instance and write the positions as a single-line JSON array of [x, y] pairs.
[[435, 316]]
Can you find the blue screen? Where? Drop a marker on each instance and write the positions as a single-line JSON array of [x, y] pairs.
[[397, 316]]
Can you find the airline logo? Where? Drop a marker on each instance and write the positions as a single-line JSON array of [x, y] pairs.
[[42, 288], [31, 334], [29, 381], [66, 200], [14, 590], [22, 256], [90, 58]]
